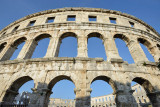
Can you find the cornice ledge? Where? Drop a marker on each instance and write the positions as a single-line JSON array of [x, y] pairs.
[[79, 24], [81, 9]]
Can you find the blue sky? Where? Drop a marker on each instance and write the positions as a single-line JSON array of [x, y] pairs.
[[146, 10]]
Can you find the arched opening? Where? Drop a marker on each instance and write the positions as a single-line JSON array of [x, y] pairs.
[[147, 48], [19, 91], [42, 42], [17, 47], [68, 45], [63, 92], [96, 46], [142, 88], [121, 43], [2, 46], [102, 92]]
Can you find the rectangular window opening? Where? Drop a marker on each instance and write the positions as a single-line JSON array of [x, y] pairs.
[[112, 20], [4, 33], [132, 24], [148, 30], [92, 18], [15, 28], [50, 19], [31, 23], [71, 18]]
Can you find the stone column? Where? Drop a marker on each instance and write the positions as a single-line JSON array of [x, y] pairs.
[[7, 52], [136, 52], [53, 47], [82, 91], [154, 98], [82, 47], [111, 50], [27, 49]]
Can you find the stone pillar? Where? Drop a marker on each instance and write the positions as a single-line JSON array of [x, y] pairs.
[[111, 50], [38, 97], [82, 47], [154, 98], [53, 47], [82, 91], [124, 98], [7, 52], [27, 49], [81, 99], [136, 52], [124, 94]]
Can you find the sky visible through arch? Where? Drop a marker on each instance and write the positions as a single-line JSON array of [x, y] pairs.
[[146, 10]]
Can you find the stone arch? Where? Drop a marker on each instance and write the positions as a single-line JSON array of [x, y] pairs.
[[122, 37], [19, 41], [36, 41], [124, 41], [53, 82], [50, 33], [95, 34], [148, 44], [106, 79], [102, 53], [144, 41], [14, 48], [149, 89], [145, 83], [68, 34], [42, 36], [57, 79], [12, 91], [65, 35], [2, 46]]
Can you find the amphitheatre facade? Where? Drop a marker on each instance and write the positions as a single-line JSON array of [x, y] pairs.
[[81, 70]]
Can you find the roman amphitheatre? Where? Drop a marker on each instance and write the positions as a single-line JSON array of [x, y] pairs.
[[106, 25]]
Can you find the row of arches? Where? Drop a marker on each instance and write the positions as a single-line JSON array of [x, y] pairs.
[[68, 46], [15, 86]]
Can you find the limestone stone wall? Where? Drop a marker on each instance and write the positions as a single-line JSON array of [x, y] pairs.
[[81, 70]]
